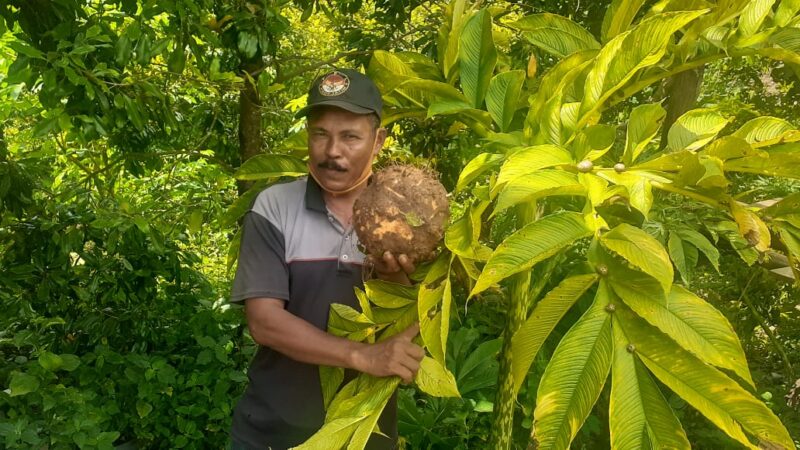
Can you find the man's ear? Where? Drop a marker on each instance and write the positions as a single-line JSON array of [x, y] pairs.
[[380, 139]]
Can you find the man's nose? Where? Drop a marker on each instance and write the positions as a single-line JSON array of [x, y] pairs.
[[334, 147]]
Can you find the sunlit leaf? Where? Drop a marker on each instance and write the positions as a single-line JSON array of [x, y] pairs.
[[555, 34], [548, 312], [477, 57], [531, 244], [641, 250], [434, 379], [618, 17], [502, 97], [695, 129], [643, 125]]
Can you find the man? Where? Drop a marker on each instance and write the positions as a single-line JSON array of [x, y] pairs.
[[298, 255]]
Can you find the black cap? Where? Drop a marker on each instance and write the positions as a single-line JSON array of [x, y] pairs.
[[347, 89]]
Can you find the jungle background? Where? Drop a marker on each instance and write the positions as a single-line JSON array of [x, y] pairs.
[[124, 131]]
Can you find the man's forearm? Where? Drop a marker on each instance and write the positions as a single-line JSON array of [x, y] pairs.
[[294, 337]]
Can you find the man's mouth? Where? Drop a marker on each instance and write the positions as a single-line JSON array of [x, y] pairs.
[[330, 165]]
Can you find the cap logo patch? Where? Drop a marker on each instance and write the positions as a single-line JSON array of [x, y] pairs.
[[334, 83]]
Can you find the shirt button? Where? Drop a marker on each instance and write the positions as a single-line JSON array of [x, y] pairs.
[[330, 218], [344, 257]]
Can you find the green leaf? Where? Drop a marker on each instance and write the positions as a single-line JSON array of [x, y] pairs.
[[786, 12], [538, 184], [503, 95], [625, 55], [695, 325], [780, 161], [618, 17], [695, 129], [390, 295], [267, 165], [388, 71], [531, 244], [462, 237], [639, 415], [23, 48], [443, 98], [70, 362], [643, 125], [726, 404], [555, 34], [683, 255], [764, 130], [753, 15], [639, 187], [477, 57], [701, 242], [527, 341], [476, 167], [333, 435], [22, 383], [530, 159], [143, 408], [50, 361], [330, 379], [434, 322], [434, 379], [574, 378], [641, 250]]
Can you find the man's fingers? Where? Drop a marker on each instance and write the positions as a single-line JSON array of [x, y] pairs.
[[389, 262], [406, 264], [410, 333]]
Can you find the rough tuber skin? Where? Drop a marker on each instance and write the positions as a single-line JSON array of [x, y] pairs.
[[404, 210]]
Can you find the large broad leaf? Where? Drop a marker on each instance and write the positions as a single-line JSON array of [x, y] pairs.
[[639, 415], [684, 256], [619, 17], [441, 97], [527, 341], [694, 324], [764, 130], [462, 236], [626, 54], [529, 160], [476, 167], [433, 307], [434, 379], [695, 129], [503, 97], [533, 243], [753, 15], [643, 125], [730, 407], [574, 378], [642, 250], [555, 34], [701, 243], [545, 182], [456, 15], [266, 165], [477, 57], [389, 71], [786, 12], [639, 187], [780, 161]]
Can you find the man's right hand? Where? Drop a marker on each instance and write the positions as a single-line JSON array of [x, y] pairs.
[[397, 355]]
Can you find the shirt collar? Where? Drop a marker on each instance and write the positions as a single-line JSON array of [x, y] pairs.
[[314, 199]]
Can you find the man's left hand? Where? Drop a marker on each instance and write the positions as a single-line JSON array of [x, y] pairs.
[[391, 268]]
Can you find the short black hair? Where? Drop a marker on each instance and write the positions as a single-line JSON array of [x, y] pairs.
[[313, 112]]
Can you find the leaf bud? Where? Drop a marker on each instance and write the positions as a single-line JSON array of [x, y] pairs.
[[601, 269], [585, 166], [432, 313], [630, 348], [619, 167], [610, 308]]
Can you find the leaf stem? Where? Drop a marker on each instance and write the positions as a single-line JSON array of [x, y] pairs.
[[787, 366], [687, 193]]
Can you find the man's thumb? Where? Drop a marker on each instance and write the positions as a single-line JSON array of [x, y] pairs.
[[411, 332]]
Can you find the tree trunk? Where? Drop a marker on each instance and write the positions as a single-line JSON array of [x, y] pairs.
[[682, 92], [249, 118]]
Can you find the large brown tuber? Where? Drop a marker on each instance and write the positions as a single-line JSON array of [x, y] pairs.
[[403, 210]]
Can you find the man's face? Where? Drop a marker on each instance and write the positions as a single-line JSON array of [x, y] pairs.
[[340, 146]]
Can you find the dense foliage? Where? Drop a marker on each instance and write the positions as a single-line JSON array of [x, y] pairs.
[[124, 127]]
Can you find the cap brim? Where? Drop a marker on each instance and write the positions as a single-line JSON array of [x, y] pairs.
[[338, 104]]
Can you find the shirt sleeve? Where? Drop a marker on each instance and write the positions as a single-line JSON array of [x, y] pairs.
[[262, 270]]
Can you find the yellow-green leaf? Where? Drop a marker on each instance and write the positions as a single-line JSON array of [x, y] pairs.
[[695, 129], [753, 15], [642, 250], [476, 167], [618, 17], [639, 415], [574, 378], [751, 227], [643, 125], [434, 379], [502, 97], [555, 34], [527, 341], [477, 57], [268, 165], [764, 130], [529, 160], [726, 404], [545, 182], [531, 244]]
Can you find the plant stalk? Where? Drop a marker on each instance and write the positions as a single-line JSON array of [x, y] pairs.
[[505, 400]]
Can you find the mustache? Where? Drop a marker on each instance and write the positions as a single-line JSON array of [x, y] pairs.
[[332, 165]]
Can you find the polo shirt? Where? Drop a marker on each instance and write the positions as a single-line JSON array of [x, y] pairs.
[[295, 250]]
